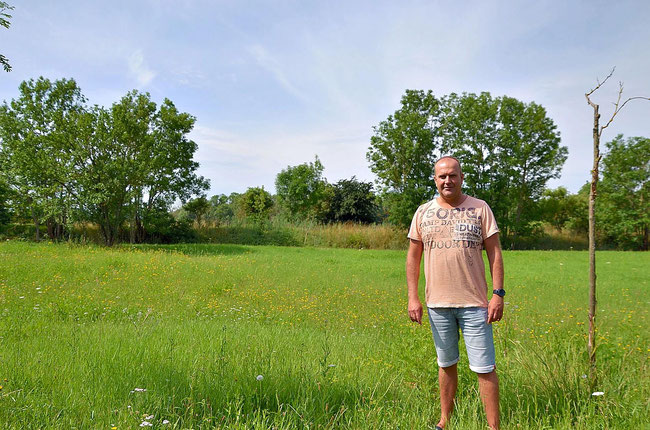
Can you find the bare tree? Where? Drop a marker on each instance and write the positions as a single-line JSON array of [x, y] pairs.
[[597, 132]]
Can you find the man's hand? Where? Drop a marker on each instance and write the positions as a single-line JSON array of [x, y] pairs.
[[412, 276], [495, 309], [415, 310]]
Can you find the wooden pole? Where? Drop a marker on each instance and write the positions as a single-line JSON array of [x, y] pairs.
[[591, 344]]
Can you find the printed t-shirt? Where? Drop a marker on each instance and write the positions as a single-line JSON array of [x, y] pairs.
[[453, 243]]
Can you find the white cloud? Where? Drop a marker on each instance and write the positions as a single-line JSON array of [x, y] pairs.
[[139, 69]]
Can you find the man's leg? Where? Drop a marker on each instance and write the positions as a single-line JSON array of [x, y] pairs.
[[488, 384], [480, 352], [444, 327], [448, 381]]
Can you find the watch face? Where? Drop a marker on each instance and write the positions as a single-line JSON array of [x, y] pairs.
[[500, 292]]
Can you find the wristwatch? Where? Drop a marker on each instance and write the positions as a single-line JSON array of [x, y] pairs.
[[500, 292]]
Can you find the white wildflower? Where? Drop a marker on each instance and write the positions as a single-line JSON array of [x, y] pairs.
[[140, 390], [259, 377], [331, 365], [597, 393], [148, 417], [146, 424], [165, 422], [584, 376]]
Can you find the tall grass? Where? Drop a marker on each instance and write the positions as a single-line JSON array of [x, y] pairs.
[[195, 325], [281, 233]]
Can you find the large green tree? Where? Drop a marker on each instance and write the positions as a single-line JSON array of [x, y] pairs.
[[301, 189], [508, 150], [402, 152], [530, 150], [37, 137], [66, 162], [138, 162], [623, 210]]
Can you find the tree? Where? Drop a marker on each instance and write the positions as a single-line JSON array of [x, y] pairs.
[[300, 189], [65, 161], [553, 207], [197, 208], [138, 161], [624, 205], [352, 200], [531, 152], [38, 135], [256, 204], [597, 132], [5, 212], [508, 150], [4, 22], [222, 207], [403, 151]]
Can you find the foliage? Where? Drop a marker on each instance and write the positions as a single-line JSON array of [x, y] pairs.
[[38, 134], [623, 208], [5, 211], [4, 22], [301, 189], [352, 200], [508, 151], [222, 208], [564, 210], [68, 162], [255, 204], [162, 227], [197, 208], [403, 151]]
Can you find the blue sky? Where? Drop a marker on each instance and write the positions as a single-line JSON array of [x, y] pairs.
[[274, 83]]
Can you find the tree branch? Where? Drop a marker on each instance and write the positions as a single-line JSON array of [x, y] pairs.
[[600, 84], [617, 109]]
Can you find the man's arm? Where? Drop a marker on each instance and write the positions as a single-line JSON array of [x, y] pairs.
[[495, 259], [413, 259]]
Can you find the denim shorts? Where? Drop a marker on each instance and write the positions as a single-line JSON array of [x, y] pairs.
[[477, 333]]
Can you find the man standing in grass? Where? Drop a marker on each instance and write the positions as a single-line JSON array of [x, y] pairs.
[[451, 230]]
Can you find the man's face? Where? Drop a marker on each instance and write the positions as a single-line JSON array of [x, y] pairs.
[[448, 179]]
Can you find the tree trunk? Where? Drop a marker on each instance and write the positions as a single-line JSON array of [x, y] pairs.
[[50, 228], [37, 225], [591, 344]]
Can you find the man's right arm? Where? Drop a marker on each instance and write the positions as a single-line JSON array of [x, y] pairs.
[[413, 259]]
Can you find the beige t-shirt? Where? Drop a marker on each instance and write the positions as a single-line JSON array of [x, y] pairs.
[[453, 243]]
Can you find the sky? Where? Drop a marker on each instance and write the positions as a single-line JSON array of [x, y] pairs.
[[275, 83]]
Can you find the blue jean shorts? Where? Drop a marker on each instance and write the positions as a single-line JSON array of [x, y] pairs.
[[477, 333]]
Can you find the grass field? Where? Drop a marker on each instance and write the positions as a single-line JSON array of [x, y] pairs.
[[231, 336]]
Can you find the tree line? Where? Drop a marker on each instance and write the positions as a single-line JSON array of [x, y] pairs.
[[121, 168]]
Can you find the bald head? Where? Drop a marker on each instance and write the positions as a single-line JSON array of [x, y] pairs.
[[448, 161], [449, 179]]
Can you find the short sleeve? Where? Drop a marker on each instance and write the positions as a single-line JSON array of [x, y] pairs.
[[414, 231], [489, 225]]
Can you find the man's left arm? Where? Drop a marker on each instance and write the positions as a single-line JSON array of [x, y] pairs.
[[495, 259]]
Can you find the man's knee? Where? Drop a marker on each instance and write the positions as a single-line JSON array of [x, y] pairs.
[[453, 368]]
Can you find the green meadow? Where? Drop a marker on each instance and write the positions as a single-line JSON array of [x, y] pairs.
[[230, 336]]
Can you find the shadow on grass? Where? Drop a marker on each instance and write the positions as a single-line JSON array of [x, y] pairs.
[[196, 249]]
